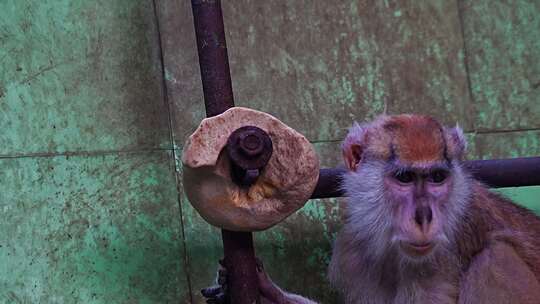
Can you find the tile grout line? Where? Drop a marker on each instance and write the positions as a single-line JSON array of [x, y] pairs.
[[483, 131], [81, 153], [175, 160], [466, 58]]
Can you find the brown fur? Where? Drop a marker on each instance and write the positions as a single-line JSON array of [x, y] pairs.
[[411, 138], [499, 243], [492, 218], [499, 275], [416, 138], [492, 248]]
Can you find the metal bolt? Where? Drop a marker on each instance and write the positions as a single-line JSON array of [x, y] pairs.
[[250, 143], [249, 147]]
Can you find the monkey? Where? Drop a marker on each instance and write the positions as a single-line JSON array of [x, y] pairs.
[[418, 228]]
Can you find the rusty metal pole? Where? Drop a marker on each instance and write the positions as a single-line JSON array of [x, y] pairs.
[[218, 97]]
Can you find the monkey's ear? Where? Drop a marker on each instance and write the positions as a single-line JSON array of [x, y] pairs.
[[455, 142], [353, 146]]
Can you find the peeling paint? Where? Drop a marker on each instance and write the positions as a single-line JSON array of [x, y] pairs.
[[62, 60], [100, 229], [503, 43]]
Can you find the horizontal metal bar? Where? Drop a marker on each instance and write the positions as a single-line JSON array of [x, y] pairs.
[[496, 173], [512, 172]]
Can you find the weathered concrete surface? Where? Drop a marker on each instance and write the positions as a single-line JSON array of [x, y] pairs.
[[79, 76], [504, 145], [83, 79], [346, 59], [320, 65], [91, 229], [182, 74], [502, 40]]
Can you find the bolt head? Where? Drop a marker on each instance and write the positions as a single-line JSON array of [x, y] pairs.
[[250, 144], [249, 147]]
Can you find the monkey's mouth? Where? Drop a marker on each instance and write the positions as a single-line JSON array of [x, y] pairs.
[[417, 249]]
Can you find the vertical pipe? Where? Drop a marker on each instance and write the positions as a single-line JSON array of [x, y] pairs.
[[239, 259], [213, 60], [239, 253]]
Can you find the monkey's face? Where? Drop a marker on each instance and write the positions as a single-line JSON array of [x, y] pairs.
[[405, 184], [418, 198]]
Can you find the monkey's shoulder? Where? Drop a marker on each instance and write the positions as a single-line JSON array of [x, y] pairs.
[[495, 219], [499, 275], [498, 213]]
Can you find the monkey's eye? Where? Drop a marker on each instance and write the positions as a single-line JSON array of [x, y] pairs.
[[438, 176], [405, 177]]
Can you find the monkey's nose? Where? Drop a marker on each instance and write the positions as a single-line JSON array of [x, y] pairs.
[[423, 215]]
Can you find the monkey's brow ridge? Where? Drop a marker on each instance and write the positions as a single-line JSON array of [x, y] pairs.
[[422, 169]]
